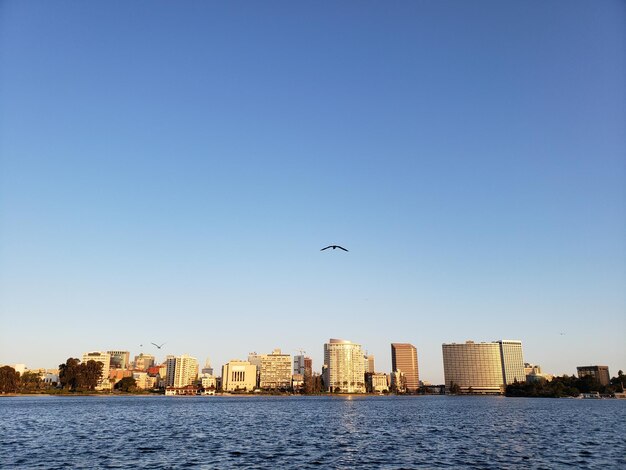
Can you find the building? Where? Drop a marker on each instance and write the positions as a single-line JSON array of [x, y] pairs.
[[119, 359], [599, 373], [275, 371], [534, 374], [208, 382], [297, 382], [144, 361], [298, 364], [208, 368], [483, 368], [404, 359], [344, 371], [169, 374], [308, 367], [144, 381], [186, 371], [398, 381], [238, 376], [377, 383], [105, 359], [512, 361], [369, 364], [255, 360]]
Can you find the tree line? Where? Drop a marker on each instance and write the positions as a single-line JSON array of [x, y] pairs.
[[566, 386]]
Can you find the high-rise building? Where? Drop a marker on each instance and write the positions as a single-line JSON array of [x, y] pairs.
[[170, 370], [105, 359], [512, 361], [369, 364], [308, 367], [599, 373], [238, 375], [404, 359], [208, 368], [144, 361], [298, 364], [119, 359], [275, 371], [344, 371], [483, 367], [186, 370]]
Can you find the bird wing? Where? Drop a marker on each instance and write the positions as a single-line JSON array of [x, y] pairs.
[[341, 248], [156, 345], [329, 246]]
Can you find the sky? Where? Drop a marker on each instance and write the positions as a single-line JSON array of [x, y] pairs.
[[170, 171]]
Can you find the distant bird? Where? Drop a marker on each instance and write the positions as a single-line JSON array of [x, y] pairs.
[[158, 345], [334, 247], [562, 334]]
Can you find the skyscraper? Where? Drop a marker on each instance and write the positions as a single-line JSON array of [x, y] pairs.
[[344, 371], [186, 370], [404, 359], [483, 367]]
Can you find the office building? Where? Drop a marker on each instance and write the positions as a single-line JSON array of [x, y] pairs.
[[483, 368], [170, 371], [186, 371], [105, 359], [599, 373], [208, 368], [404, 359], [369, 364], [377, 383], [344, 370], [119, 359], [238, 376], [144, 361], [275, 371], [298, 364]]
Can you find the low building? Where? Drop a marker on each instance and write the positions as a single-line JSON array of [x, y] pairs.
[[208, 382], [297, 382], [599, 373], [377, 382], [238, 376], [144, 381], [187, 390], [399, 381]]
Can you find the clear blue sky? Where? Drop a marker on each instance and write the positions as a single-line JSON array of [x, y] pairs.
[[169, 172]]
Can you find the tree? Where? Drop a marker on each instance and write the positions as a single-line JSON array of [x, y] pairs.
[[127, 384], [9, 379], [455, 389], [69, 374], [30, 381], [90, 374]]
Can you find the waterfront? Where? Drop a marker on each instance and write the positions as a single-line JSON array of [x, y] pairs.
[[308, 432]]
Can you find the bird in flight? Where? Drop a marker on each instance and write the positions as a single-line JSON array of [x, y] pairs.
[[158, 346], [334, 247]]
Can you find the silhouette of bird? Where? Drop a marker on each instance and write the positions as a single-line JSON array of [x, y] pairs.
[[334, 247], [158, 345]]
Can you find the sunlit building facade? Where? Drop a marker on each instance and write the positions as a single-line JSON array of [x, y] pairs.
[[105, 359], [144, 361], [238, 376], [404, 359], [275, 371], [186, 371], [119, 359], [345, 369], [512, 361]]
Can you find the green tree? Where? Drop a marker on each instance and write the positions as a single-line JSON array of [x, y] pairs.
[[90, 374], [69, 374], [127, 384], [9, 379], [30, 381]]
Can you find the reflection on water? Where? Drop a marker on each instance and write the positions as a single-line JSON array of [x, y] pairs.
[[307, 432]]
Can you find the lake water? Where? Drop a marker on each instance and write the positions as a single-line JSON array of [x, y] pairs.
[[311, 432]]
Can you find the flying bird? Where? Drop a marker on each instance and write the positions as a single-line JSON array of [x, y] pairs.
[[158, 346], [334, 247]]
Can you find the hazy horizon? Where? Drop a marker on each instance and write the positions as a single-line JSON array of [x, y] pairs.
[[169, 173]]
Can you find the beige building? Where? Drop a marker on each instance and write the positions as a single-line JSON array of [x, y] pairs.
[[599, 373], [483, 367], [238, 375], [208, 381], [144, 361], [369, 364], [275, 371], [404, 359], [119, 359], [378, 383], [186, 371], [144, 381], [344, 370], [105, 359]]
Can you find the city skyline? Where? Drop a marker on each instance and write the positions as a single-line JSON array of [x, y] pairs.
[[169, 173]]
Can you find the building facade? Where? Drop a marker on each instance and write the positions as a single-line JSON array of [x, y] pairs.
[[344, 371], [119, 359], [369, 364], [238, 376], [275, 371], [484, 368], [404, 359], [298, 364], [186, 371], [144, 361], [103, 358], [170, 371], [599, 373]]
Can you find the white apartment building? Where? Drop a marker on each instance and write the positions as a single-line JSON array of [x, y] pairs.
[[345, 367], [186, 370], [105, 359], [275, 371]]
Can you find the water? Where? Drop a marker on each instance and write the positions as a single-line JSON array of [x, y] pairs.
[[310, 432]]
